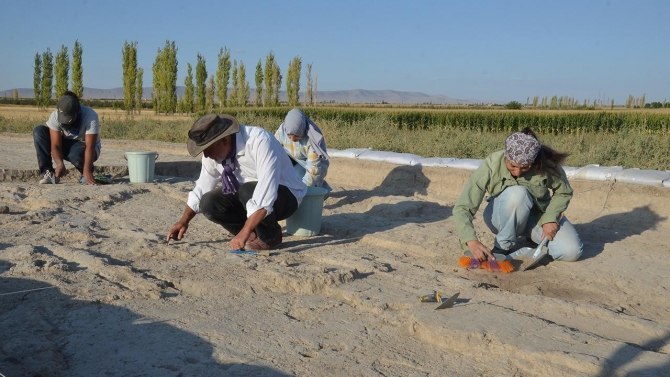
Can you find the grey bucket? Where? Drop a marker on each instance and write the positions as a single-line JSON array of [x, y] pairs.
[[141, 166], [306, 221]]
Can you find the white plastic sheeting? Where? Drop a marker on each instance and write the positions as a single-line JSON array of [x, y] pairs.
[[642, 177], [348, 153], [569, 170], [390, 157], [434, 161], [594, 172], [465, 163]]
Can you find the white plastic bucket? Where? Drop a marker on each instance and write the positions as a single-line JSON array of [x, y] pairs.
[[306, 221], [141, 166]]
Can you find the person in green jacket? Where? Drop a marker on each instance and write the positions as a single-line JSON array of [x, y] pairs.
[[528, 192]]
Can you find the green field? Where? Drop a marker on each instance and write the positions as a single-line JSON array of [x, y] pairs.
[[632, 139]]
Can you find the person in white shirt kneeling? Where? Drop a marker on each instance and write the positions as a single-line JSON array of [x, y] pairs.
[[259, 186]]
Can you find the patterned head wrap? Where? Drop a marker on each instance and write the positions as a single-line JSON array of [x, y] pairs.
[[521, 149]]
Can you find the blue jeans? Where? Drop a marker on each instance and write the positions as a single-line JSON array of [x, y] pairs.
[[72, 150], [511, 214]]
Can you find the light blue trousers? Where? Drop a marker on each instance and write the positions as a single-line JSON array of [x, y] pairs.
[[511, 215]]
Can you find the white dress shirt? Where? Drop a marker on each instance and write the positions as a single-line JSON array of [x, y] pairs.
[[261, 158]]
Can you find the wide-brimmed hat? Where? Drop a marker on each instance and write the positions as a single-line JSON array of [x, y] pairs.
[[68, 109], [208, 130]]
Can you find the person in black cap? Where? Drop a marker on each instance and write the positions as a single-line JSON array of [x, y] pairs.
[[258, 184], [72, 133]]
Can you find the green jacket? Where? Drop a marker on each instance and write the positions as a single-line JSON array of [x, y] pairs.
[[493, 177]]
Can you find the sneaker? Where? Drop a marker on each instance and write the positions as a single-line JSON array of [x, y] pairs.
[[257, 244], [49, 178]]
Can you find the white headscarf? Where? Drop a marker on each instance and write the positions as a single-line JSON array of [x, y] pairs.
[[297, 123]]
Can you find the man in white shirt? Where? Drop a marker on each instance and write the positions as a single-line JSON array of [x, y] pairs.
[[259, 186], [72, 134]]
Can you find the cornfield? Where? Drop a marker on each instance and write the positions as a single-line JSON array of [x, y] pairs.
[[487, 121]]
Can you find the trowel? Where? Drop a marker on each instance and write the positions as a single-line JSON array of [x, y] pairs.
[[527, 257]]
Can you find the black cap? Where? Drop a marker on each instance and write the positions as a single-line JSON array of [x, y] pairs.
[[68, 109]]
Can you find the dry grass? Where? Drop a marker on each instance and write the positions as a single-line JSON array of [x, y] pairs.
[[33, 114], [627, 148]]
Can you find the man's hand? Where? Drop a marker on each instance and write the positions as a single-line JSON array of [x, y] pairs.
[[479, 251], [60, 170], [238, 242], [90, 180], [549, 230], [177, 231], [179, 228]]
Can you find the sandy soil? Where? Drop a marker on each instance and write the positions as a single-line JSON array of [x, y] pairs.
[[88, 286]]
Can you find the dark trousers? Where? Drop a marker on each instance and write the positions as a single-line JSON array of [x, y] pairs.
[[229, 210], [73, 150]]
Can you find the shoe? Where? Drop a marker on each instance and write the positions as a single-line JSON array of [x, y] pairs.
[[257, 244], [49, 178]]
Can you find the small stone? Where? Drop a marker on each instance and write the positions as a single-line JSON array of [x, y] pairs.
[[4, 209]]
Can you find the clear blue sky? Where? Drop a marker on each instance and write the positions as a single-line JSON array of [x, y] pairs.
[[484, 50]]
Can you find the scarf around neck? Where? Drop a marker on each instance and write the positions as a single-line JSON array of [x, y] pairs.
[[229, 182]]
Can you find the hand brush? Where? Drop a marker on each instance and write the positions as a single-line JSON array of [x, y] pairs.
[[499, 264]]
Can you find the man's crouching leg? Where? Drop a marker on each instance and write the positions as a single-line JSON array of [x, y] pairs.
[[224, 209]]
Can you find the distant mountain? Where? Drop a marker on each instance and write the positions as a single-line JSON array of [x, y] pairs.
[[336, 96]]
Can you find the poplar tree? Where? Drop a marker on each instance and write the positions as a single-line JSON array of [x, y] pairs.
[[223, 76], [15, 95], [209, 93], [235, 89], [189, 89], [139, 90], [165, 79], [200, 82], [259, 83], [37, 80], [269, 81], [293, 81], [276, 79], [129, 54], [61, 71], [243, 86], [171, 69], [156, 95], [77, 70], [309, 98], [47, 77]]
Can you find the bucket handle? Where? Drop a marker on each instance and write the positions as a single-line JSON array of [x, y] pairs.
[[126, 158]]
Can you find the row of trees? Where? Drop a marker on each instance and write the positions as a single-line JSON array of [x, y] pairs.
[[45, 69], [210, 91], [565, 102]]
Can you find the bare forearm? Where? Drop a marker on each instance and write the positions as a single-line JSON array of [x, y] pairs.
[[253, 220]]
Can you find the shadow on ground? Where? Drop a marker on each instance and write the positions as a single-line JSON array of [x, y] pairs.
[[615, 227], [47, 333]]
